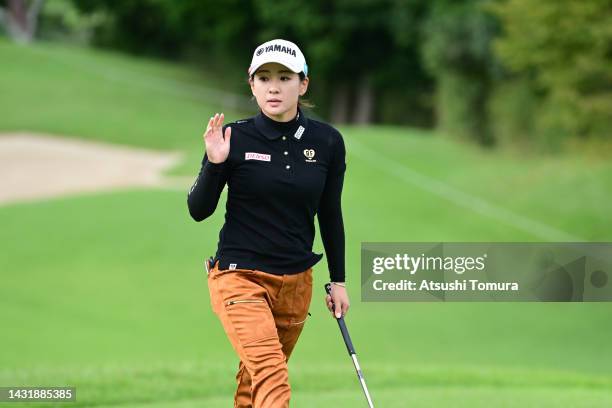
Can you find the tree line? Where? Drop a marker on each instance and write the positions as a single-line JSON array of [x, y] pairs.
[[535, 72]]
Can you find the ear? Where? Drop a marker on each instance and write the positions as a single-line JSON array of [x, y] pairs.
[[252, 85], [304, 86]]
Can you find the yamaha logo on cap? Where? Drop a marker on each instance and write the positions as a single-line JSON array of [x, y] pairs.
[[277, 48]]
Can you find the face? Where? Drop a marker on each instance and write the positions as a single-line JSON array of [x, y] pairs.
[[276, 90]]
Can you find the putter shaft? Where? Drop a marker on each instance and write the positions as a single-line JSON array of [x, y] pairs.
[[351, 350]]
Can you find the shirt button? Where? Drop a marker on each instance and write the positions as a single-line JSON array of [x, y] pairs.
[[284, 137], [285, 153], [287, 167]]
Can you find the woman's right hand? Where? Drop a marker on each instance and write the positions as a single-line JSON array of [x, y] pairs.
[[217, 146]]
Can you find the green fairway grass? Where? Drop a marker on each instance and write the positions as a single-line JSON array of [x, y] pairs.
[[105, 96], [107, 292], [198, 384]]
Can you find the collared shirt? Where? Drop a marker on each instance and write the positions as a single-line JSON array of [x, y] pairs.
[[279, 175]]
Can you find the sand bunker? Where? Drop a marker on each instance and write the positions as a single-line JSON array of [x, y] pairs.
[[36, 166]]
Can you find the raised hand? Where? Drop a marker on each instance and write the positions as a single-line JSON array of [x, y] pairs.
[[217, 146]]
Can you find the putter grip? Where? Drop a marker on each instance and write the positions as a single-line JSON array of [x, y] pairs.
[[342, 325]]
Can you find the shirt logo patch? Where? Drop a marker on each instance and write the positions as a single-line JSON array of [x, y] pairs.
[[232, 266], [309, 153], [298, 133], [256, 156]]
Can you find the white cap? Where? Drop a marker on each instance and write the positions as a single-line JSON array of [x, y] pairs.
[[281, 51]]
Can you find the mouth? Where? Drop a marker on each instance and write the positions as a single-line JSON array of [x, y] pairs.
[[274, 101]]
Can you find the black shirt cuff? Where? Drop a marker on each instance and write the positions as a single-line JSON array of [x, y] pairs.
[[214, 168]]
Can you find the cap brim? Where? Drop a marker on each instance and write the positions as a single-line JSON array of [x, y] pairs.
[[255, 67]]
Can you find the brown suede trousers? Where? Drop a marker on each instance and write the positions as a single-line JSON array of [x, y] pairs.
[[263, 315]]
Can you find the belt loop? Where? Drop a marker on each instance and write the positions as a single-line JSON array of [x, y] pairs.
[[209, 264]]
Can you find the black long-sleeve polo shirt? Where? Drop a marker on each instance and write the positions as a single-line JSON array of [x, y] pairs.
[[279, 175]]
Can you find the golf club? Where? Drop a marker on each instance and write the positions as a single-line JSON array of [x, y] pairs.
[[351, 349]]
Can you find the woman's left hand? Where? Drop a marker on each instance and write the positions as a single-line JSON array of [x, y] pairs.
[[340, 299]]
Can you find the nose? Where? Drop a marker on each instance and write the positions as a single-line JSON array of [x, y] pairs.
[[274, 88]]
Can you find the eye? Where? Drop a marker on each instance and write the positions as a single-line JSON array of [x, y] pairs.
[[263, 78], [285, 78]]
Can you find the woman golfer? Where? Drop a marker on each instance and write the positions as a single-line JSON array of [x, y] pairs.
[[281, 169]]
